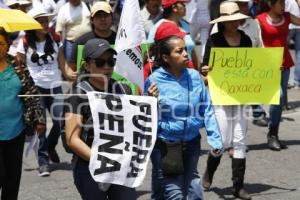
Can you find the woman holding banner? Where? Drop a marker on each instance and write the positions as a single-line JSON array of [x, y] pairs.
[[185, 107], [99, 64], [232, 120]]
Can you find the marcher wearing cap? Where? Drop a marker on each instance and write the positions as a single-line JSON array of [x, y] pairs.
[[232, 120], [174, 11], [99, 64], [40, 51], [101, 22], [179, 89]]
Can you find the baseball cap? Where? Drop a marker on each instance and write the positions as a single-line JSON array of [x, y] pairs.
[[101, 6], [94, 48], [168, 3], [168, 29]]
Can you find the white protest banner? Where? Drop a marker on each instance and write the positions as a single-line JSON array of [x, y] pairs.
[[130, 66], [131, 32], [124, 136]]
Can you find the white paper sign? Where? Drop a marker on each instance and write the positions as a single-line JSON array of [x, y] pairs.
[[124, 135]]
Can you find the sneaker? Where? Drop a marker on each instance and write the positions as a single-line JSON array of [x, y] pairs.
[[44, 171], [53, 156]]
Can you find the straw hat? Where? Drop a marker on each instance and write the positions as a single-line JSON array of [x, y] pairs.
[[229, 11]]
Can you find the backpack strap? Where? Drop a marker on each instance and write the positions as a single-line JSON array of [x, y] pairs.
[[85, 86]]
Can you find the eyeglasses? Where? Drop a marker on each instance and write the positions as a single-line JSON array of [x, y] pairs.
[[100, 63]]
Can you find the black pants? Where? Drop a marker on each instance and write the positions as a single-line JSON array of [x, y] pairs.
[[11, 155]]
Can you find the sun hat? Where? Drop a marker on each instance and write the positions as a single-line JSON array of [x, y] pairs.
[[101, 6], [39, 12], [167, 29], [168, 3], [229, 11], [94, 48]]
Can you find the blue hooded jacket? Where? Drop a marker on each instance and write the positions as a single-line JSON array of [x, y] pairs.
[[184, 107]]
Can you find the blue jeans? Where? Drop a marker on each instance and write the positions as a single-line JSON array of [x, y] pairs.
[[89, 190], [55, 107], [181, 186], [295, 35], [276, 110], [68, 50], [157, 189]]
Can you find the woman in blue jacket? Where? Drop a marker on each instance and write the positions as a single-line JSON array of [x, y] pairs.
[[185, 107]]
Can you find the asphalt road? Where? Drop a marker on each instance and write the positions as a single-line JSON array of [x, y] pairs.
[[269, 174]]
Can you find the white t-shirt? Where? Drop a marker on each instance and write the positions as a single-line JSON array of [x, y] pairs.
[[73, 21], [292, 7], [45, 73]]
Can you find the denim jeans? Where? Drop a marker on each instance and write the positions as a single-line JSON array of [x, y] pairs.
[[181, 186], [295, 35], [68, 50], [55, 107], [89, 189], [276, 110], [157, 189]]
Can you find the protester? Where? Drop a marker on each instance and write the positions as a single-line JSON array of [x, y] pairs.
[[151, 13], [99, 64], [16, 113], [199, 22], [40, 51], [232, 120], [252, 29], [274, 23], [174, 11], [185, 107], [101, 23], [73, 21]]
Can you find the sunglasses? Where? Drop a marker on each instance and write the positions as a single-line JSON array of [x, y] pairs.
[[100, 63]]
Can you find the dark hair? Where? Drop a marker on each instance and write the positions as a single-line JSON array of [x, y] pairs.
[[31, 39], [263, 5], [167, 12], [162, 47], [221, 27], [4, 34]]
